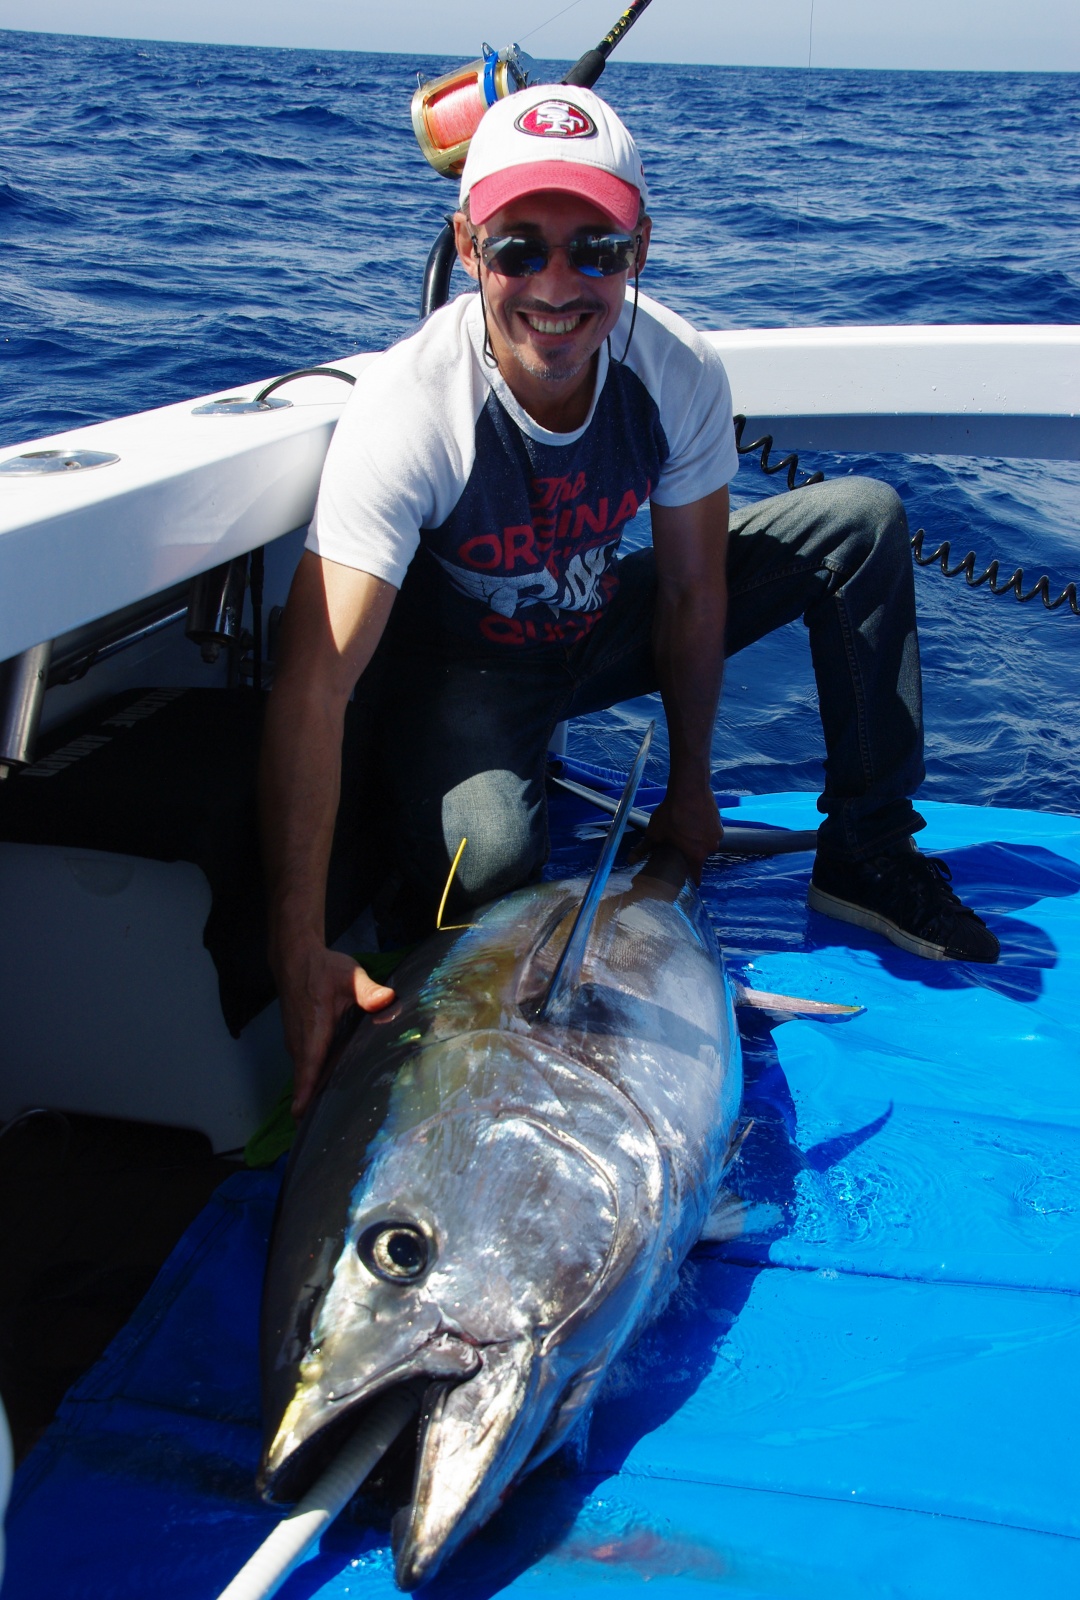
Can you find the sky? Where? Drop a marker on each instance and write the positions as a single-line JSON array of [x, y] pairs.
[[984, 35]]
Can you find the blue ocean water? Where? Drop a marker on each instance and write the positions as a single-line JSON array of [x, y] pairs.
[[178, 218]]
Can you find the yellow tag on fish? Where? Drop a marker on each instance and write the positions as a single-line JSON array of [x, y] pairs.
[[453, 927]]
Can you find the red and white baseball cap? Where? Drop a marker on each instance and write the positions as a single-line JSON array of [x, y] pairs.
[[551, 136]]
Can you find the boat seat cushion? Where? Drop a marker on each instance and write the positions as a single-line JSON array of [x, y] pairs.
[[170, 774]]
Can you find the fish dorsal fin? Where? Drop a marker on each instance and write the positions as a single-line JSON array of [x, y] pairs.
[[568, 972]]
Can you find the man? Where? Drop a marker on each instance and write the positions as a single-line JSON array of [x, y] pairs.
[[462, 566]]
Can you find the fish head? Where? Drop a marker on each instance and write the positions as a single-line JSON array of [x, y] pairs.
[[474, 1261]]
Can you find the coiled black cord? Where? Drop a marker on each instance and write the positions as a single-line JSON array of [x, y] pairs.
[[765, 444], [1013, 585]]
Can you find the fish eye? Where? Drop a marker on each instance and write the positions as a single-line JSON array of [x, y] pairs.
[[396, 1251]]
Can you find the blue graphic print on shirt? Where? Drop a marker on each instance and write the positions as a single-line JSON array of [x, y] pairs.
[[527, 556]]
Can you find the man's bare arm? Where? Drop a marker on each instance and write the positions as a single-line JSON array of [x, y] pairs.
[[691, 611], [334, 618]]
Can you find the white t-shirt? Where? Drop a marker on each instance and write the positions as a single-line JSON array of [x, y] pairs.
[[509, 533]]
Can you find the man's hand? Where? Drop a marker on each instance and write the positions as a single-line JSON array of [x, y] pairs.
[[318, 988], [689, 820]]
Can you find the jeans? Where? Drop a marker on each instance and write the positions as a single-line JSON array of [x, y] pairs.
[[463, 740]]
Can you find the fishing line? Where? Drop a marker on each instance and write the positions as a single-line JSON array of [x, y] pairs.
[[542, 25], [798, 187]]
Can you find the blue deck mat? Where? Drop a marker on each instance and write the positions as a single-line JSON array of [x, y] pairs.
[[875, 1397]]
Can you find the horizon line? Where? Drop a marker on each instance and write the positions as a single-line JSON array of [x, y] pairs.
[[744, 66]]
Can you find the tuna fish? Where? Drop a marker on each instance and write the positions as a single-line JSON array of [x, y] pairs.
[[497, 1188]]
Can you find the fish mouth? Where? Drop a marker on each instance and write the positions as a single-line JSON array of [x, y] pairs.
[[479, 1422], [318, 1421], [296, 1460]]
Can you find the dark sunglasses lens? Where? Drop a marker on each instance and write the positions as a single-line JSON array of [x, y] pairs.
[[596, 255], [602, 255], [511, 257]]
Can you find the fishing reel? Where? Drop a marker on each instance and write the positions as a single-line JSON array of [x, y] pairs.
[[446, 111]]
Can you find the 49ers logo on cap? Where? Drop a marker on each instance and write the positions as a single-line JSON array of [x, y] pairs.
[[556, 119]]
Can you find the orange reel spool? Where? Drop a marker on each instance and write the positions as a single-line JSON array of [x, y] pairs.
[[446, 111]]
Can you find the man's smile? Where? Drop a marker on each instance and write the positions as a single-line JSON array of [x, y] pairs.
[[551, 324]]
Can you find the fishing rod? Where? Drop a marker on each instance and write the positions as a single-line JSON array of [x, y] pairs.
[[446, 112], [584, 73]]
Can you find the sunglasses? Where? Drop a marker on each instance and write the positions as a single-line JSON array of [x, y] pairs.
[[595, 255]]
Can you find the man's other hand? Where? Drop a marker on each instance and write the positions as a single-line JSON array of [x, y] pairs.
[[319, 988], [689, 820]]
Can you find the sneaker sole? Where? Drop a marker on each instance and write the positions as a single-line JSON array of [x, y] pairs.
[[847, 911]]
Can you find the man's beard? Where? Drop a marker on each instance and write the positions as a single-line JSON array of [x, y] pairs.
[[537, 368]]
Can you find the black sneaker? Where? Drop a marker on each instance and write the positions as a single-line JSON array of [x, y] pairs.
[[905, 896]]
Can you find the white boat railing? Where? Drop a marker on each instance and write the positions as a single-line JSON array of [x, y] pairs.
[[970, 391], [189, 491]]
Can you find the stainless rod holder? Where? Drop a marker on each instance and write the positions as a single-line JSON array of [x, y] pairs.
[[23, 680], [216, 607]]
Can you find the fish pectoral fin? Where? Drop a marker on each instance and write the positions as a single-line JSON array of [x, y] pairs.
[[475, 1438], [788, 1007], [732, 1216], [735, 1143]]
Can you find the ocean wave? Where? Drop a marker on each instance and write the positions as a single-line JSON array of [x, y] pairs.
[[182, 218], [317, 119], [21, 205]]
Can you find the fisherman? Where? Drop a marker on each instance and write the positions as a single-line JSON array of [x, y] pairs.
[[463, 566]]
